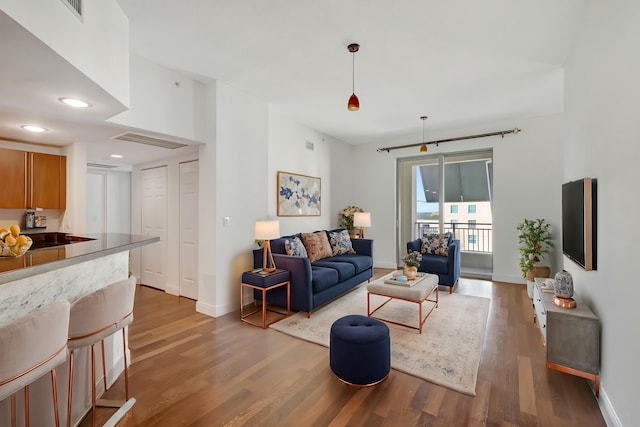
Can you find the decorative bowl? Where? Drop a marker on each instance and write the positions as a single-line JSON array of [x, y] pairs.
[[16, 250]]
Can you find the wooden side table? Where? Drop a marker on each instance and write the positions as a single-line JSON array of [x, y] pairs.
[[264, 282]]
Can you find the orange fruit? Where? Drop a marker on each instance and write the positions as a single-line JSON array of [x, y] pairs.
[[15, 230], [3, 230], [15, 249], [10, 240], [21, 240]]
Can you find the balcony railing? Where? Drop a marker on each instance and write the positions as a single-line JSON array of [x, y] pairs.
[[474, 237]]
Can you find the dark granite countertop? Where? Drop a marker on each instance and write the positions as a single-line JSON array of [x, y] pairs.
[[37, 261]]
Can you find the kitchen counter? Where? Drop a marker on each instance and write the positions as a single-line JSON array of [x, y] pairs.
[[38, 261], [66, 272]]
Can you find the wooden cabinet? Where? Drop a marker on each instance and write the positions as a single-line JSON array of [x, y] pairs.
[[13, 169], [47, 181], [32, 180], [572, 336]]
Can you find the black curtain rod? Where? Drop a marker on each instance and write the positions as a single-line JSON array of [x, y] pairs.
[[502, 133]]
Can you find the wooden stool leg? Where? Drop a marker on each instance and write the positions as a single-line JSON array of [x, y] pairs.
[[54, 390], [70, 391], [93, 386], [13, 410], [26, 405], [104, 367], [126, 366]]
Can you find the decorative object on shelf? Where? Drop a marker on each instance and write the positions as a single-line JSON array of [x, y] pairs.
[[345, 218], [298, 195], [563, 289], [423, 147], [362, 220], [267, 230], [535, 241], [411, 262], [12, 243], [354, 102]]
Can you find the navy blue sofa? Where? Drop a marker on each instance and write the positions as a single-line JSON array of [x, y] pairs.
[[446, 267], [315, 283]]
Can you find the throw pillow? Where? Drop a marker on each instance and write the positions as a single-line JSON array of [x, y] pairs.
[[317, 245], [436, 244], [340, 243], [295, 247]]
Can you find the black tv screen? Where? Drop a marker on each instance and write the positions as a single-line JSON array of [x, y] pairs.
[[579, 222]]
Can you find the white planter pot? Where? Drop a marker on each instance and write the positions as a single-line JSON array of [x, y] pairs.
[[530, 285]]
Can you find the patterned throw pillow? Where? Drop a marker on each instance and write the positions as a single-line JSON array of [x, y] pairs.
[[340, 243], [295, 247], [317, 245], [436, 244]]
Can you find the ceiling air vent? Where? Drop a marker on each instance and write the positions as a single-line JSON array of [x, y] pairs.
[[148, 140], [75, 6], [101, 166]]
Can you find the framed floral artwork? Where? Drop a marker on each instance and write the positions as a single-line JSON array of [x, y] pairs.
[[298, 195]]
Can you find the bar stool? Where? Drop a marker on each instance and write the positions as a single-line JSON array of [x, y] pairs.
[[93, 318], [30, 347]]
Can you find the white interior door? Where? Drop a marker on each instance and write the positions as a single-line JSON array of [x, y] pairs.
[[189, 230], [154, 223]]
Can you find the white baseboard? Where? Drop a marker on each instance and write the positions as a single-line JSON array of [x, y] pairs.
[[205, 308], [508, 279], [608, 411], [172, 290]]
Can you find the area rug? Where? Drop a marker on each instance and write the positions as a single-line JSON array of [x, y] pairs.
[[448, 351]]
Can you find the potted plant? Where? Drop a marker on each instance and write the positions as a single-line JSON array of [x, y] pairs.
[[345, 218], [411, 262], [535, 241]]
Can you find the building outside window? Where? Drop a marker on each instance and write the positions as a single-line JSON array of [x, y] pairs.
[[472, 209], [472, 223], [454, 208], [472, 239]]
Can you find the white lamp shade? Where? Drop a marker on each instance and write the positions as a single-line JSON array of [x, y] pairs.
[[362, 219], [267, 230]]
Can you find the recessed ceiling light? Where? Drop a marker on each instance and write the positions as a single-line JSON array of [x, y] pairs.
[[33, 128], [77, 103], [117, 156]]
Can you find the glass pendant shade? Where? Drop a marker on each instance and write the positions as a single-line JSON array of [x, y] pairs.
[[423, 148], [354, 103]]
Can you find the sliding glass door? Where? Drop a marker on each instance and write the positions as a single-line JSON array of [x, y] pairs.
[[447, 192]]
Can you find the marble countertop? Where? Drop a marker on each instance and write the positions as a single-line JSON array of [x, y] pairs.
[[43, 260]]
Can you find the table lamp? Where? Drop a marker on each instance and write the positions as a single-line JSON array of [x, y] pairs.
[[267, 230], [362, 219]]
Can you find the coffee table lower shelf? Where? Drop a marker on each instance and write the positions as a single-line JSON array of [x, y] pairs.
[[418, 294]]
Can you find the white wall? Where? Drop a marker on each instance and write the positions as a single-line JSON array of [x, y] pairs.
[[330, 161], [164, 101], [98, 46], [602, 93], [527, 184]]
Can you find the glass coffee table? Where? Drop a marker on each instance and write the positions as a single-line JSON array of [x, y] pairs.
[[417, 292]]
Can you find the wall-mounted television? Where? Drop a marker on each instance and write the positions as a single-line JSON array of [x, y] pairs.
[[579, 223]]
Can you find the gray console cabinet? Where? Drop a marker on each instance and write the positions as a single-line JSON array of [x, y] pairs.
[[572, 336]]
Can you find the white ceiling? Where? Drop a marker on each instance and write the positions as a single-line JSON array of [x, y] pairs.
[[462, 63]]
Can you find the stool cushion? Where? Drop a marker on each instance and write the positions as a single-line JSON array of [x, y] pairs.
[[32, 345], [360, 350], [101, 313]]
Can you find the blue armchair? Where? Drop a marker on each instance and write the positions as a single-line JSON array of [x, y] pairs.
[[446, 267]]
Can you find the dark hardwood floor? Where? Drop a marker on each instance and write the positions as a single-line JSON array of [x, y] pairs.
[[192, 370]]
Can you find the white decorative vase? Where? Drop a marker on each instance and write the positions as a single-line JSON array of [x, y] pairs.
[[410, 272], [563, 286]]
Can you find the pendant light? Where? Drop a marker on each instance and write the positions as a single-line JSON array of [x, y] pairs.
[[354, 102], [423, 147]]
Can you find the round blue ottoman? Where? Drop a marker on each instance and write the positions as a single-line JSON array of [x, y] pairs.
[[360, 350]]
